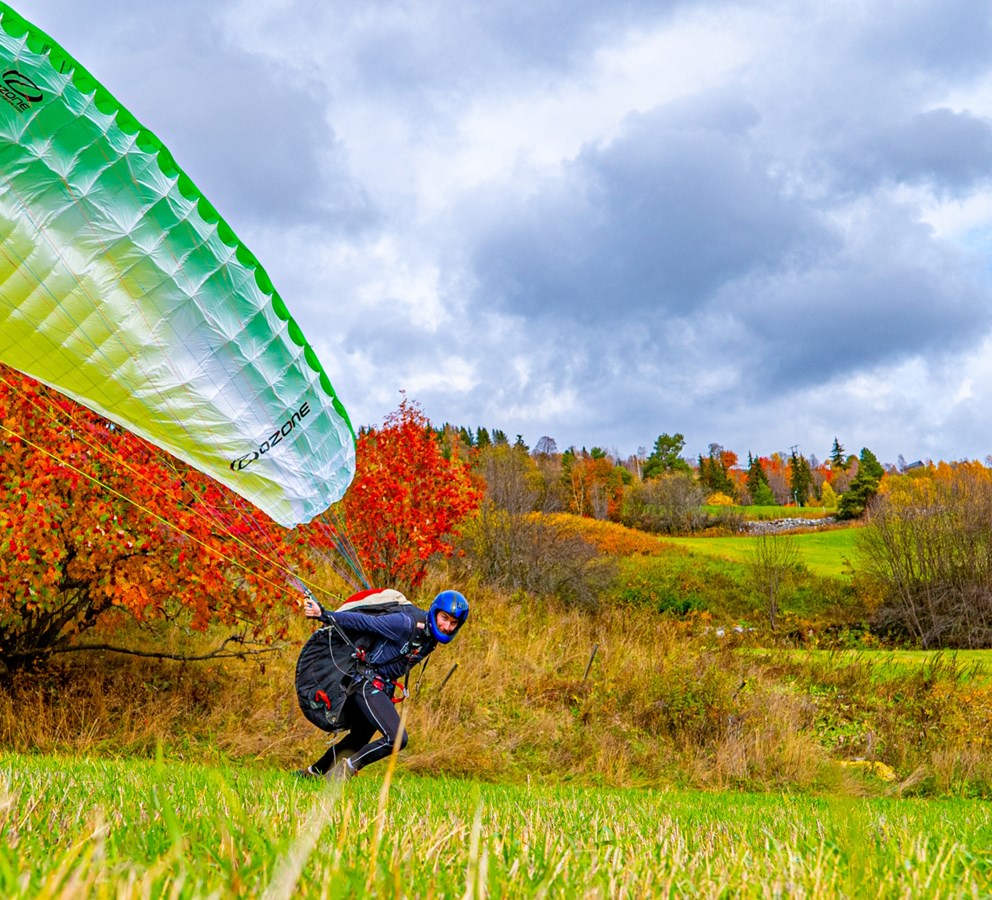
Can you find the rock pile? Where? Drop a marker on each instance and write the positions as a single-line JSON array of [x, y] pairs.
[[773, 526]]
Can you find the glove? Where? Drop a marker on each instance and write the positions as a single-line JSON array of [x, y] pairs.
[[308, 594]]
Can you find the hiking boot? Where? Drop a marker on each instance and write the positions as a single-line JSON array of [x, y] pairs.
[[307, 773], [342, 771]]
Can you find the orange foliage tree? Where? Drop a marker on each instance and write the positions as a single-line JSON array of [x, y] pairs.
[[594, 484], [94, 519], [408, 498]]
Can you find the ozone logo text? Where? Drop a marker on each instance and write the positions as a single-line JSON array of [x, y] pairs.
[[19, 91], [277, 437]]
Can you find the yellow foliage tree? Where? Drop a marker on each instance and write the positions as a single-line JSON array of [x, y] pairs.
[[828, 496]]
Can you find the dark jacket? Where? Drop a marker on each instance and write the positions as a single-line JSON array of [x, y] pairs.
[[398, 640]]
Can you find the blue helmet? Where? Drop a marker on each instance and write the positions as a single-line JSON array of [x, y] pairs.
[[452, 603]]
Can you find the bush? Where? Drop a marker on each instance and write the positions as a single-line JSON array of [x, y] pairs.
[[719, 499], [729, 519], [670, 504], [928, 551], [773, 559], [534, 554]]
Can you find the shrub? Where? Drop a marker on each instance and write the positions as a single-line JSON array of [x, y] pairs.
[[726, 518], [609, 537], [670, 504], [718, 499], [773, 558], [534, 554], [928, 550], [828, 496]]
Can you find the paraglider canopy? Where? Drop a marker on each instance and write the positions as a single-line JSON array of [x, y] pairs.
[[122, 287]]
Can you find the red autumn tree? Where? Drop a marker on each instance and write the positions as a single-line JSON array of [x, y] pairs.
[[94, 519], [408, 498]]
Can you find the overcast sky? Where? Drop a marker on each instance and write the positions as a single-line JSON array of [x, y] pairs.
[[761, 224]]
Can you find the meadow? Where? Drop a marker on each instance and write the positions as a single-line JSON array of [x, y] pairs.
[[640, 748], [119, 828], [616, 697], [830, 552], [972, 666]]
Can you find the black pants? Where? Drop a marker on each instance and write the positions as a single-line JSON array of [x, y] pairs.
[[367, 711]]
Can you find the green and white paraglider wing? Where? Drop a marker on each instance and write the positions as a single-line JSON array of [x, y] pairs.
[[122, 287]]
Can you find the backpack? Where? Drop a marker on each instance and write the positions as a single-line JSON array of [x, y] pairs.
[[328, 666]]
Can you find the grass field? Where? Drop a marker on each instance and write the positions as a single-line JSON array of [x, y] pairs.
[[102, 828], [966, 665], [827, 553]]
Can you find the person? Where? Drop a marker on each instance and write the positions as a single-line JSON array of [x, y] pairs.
[[396, 642]]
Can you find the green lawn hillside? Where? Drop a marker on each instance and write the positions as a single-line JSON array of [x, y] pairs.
[[829, 552]]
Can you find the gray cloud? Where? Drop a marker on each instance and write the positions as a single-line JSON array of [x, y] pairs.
[[443, 49], [252, 134], [683, 201], [832, 321], [948, 150], [948, 39]]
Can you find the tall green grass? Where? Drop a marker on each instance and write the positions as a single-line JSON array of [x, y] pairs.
[[85, 828], [963, 666], [709, 575]]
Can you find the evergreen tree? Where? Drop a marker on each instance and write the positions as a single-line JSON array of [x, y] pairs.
[[482, 439], [665, 457], [837, 456], [713, 474], [763, 496], [757, 483], [869, 464], [856, 498], [801, 478]]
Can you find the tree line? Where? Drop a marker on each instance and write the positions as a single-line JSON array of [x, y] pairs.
[[665, 491]]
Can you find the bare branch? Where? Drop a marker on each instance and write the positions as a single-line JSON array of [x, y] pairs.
[[220, 652]]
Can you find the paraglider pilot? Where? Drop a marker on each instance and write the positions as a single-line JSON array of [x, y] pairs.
[[393, 643]]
